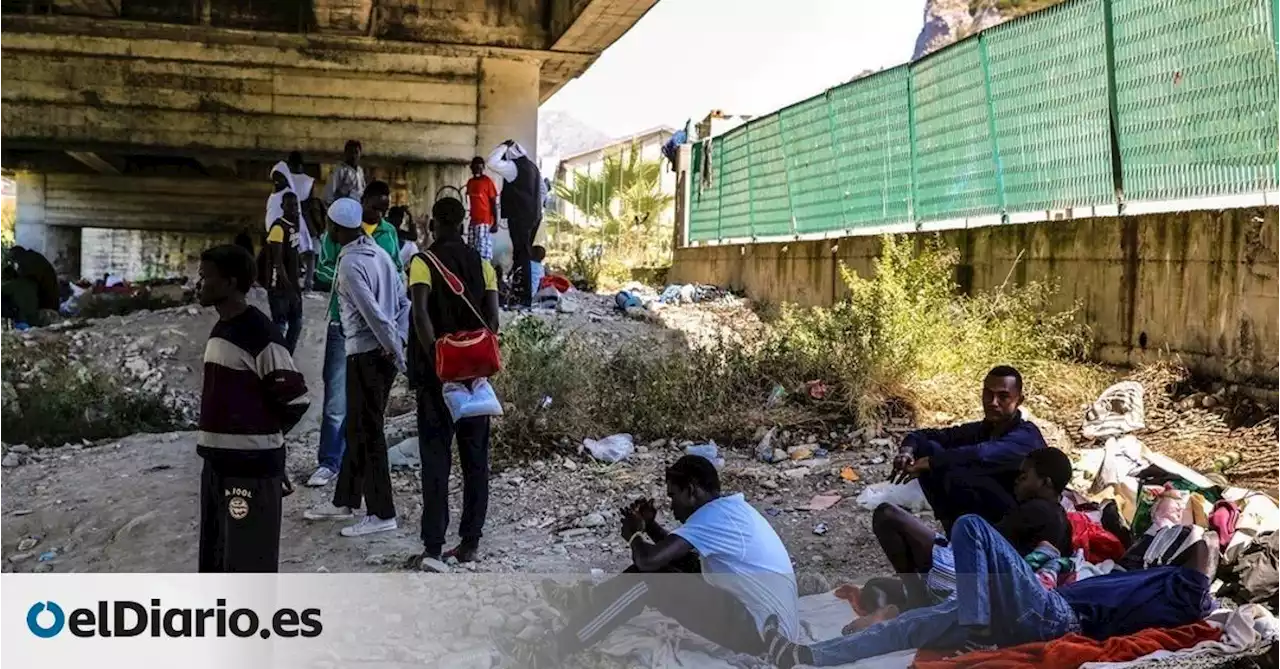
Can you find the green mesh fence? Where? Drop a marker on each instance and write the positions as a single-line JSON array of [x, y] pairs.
[[735, 184], [1195, 97], [1049, 105], [770, 205], [811, 174], [704, 196], [956, 167], [1018, 119], [872, 144]]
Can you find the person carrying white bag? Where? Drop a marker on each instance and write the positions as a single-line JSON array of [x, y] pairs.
[[451, 290]]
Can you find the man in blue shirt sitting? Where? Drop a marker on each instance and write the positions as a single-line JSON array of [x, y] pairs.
[[971, 468], [721, 574]]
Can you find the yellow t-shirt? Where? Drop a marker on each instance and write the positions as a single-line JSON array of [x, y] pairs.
[[420, 273], [369, 228], [276, 234]]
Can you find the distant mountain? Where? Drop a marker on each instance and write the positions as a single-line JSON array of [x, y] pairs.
[[947, 21], [561, 134]]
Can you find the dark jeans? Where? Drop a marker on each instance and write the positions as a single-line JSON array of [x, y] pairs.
[[239, 523], [679, 593], [286, 313], [365, 471], [436, 431], [954, 492], [521, 249]]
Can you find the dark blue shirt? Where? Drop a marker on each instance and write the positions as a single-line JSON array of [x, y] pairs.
[[974, 445], [1126, 602]]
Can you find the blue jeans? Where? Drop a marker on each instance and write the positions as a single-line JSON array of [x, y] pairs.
[[333, 424], [996, 593]]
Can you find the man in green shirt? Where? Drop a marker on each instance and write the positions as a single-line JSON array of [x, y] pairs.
[[333, 422]]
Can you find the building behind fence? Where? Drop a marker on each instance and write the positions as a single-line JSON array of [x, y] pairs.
[[1093, 106]]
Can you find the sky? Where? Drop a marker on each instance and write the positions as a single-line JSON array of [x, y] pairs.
[[686, 57]]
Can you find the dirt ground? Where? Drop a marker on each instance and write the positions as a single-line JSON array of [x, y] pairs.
[[130, 505]]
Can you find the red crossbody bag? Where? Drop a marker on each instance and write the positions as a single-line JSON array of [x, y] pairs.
[[467, 354]]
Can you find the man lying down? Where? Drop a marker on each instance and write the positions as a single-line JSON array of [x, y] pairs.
[[999, 601]]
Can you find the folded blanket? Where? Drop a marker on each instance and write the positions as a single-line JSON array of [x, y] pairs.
[[1073, 650]]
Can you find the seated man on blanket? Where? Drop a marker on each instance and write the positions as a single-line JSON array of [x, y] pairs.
[[999, 602], [970, 468], [1037, 528], [745, 576]]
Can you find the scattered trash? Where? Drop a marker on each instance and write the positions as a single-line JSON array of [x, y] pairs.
[[817, 389], [615, 448], [773, 511], [1118, 410], [433, 565], [709, 451], [405, 454], [545, 403], [776, 396], [849, 475], [156, 468], [822, 502], [28, 543], [796, 473], [877, 460], [880, 442], [22, 512], [820, 529], [820, 452], [908, 495], [48, 555], [764, 449], [803, 452]]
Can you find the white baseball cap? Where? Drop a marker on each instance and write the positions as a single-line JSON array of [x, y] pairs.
[[346, 213]]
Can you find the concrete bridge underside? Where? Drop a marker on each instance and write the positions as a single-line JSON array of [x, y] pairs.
[[165, 117]]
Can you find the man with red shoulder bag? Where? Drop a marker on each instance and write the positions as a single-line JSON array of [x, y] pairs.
[[453, 337]]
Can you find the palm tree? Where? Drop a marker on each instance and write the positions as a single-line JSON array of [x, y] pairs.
[[623, 205]]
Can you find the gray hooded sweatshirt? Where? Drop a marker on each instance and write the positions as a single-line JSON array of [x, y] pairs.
[[372, 299]]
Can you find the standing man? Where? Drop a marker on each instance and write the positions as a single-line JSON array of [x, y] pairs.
[[347, 179], [482, 198], [252, 395], [284, 294], [437, 311], [522, 207], [375, 320], [312, 215], [333, 423]]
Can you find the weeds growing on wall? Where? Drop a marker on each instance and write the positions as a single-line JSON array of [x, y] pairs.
[[50, 399], [904, 338]]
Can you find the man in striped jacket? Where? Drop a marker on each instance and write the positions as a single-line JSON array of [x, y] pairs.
[[252, 395]]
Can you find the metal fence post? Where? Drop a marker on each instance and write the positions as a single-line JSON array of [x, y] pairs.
[[991, 126], [915, 153], [1113, 106]]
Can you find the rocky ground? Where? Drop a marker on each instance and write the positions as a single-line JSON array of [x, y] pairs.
[[131, 504]]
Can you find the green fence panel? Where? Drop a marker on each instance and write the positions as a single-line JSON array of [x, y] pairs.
[[956, 175], [812, 178], [1049, 101], [770, 204], [872, 146], [735, 184], [704, 196], [1195, 97]]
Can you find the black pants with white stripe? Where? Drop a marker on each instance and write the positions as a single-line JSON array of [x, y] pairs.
[[679, 593]]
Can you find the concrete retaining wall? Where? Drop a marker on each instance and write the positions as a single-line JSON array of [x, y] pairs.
[[1200, 284]]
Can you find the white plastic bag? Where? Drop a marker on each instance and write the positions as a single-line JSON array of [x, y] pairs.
[[404, 454], [615, 448], [465, 401], [907, 495]]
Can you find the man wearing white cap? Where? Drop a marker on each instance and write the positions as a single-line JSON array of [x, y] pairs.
[[375, 320], [522, 208]]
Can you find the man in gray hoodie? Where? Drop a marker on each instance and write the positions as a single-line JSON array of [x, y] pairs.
[[375, 318]]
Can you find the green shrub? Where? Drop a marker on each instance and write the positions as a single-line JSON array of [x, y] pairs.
[[51, 399]]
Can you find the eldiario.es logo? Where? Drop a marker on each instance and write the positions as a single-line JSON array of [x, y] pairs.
[[124, 618]]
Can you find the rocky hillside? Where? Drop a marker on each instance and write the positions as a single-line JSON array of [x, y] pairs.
[[947, 21]]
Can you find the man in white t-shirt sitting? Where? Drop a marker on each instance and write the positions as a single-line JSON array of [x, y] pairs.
[[722, 574]]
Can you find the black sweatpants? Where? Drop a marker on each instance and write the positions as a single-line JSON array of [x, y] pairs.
[[521, 250], [679, 593], [365, 472], [239, 523], [286, 313], [436, 431]]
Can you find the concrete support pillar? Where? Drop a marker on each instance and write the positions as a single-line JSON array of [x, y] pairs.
[[424, 182], [684, 158], [30, 230], [508, 104]]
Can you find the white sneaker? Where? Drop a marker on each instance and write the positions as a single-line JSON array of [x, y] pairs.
[[369, 525], [327, 512], [321, 477]]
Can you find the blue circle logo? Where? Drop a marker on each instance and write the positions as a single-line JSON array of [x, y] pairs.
[[33, 619]]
